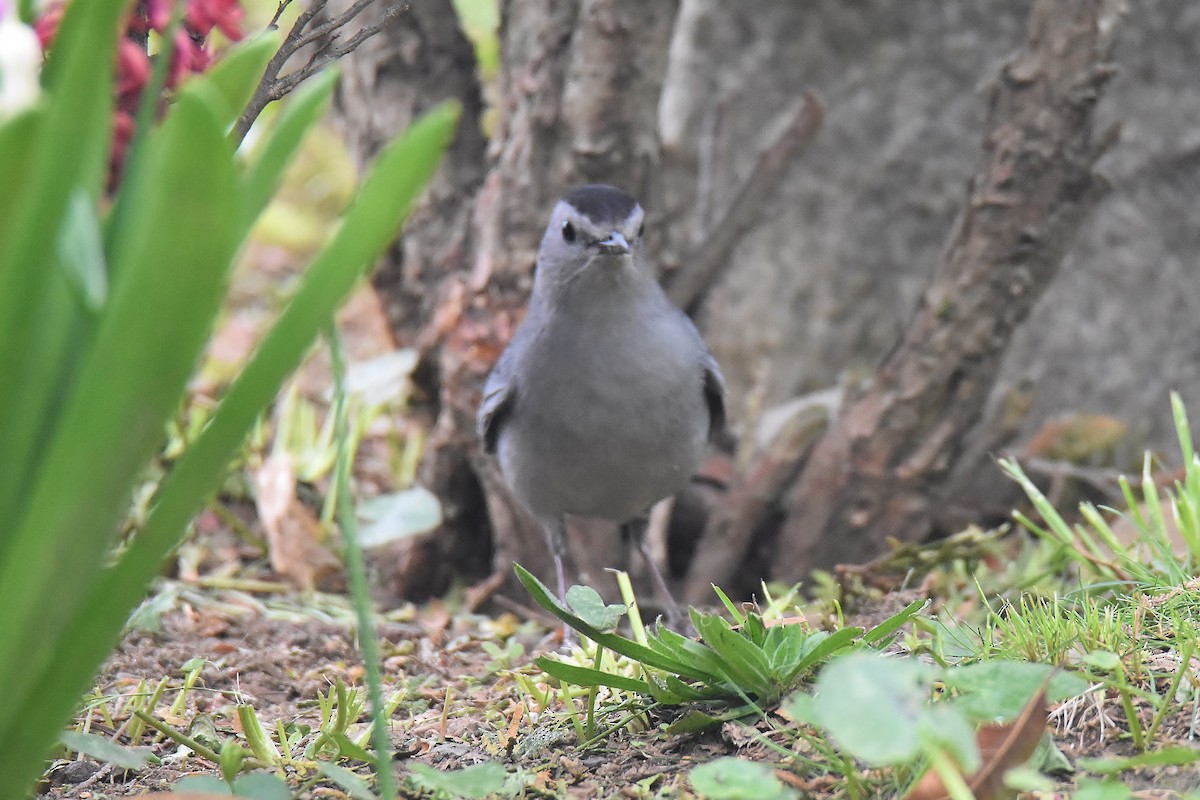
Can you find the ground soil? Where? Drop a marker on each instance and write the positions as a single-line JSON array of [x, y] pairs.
[[462, 704]]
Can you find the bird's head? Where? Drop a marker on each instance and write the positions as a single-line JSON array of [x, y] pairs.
[[594, 231]]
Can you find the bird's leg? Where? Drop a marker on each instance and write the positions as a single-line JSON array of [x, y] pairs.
[[556, 540], [635, 530]]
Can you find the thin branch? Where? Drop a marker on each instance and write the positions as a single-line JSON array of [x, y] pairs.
[[273, 87], [274, 23], [701, 268]]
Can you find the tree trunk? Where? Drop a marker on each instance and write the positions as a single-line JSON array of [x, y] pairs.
[[812, 279], [878, 472]]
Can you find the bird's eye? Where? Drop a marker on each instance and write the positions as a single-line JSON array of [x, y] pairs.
[[568, 231], [641, 230]]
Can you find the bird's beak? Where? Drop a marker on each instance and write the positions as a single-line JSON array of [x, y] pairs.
[[614, 244]]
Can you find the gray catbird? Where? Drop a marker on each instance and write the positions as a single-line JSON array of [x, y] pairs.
[[602, 402]]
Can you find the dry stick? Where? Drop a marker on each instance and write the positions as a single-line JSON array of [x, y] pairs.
[[274, 23], [272, 87], [704, 264]]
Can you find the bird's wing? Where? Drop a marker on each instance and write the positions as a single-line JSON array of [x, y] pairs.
[[714, 394], [499, 394]]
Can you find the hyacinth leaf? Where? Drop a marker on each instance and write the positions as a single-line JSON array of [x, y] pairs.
[[171, 268], [18, 138], [386, 196], [67, 152]]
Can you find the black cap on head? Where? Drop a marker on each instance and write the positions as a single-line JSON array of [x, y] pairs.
[[601, 204]]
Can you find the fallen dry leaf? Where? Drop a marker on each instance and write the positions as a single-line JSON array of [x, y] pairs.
[[292, 529], [1002, 747]]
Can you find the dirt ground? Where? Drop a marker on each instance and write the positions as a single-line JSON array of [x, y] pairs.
[[461, 706], [458, 713]]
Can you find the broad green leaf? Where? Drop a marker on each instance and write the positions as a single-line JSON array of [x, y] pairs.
[[998, 691], [232, 756], [785, 646], [171, 277], [591, 608], [945, 727], [730, 778], [299, 113], [106, 750], [397, 515], [872, 705], [400, 173], [477, 781], [586, 676], [755, 630]]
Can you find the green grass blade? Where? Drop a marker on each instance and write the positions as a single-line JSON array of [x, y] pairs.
[[146, 344], [1182, 429], [738, 617], [894, 622]]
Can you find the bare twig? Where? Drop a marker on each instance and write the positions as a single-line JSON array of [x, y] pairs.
[[273, 87], [274, 23], [703, 265]]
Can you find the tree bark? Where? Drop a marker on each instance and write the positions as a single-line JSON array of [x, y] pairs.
[[876, 474], [675, 105]]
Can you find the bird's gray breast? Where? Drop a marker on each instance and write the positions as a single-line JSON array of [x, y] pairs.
[[610, 415]]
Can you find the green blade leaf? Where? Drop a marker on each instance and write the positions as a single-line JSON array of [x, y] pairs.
[[838, 640], [618, 644], [894, 622], [741, 659], [399, 175], [67, 152], [586, 676], [173, 265]]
